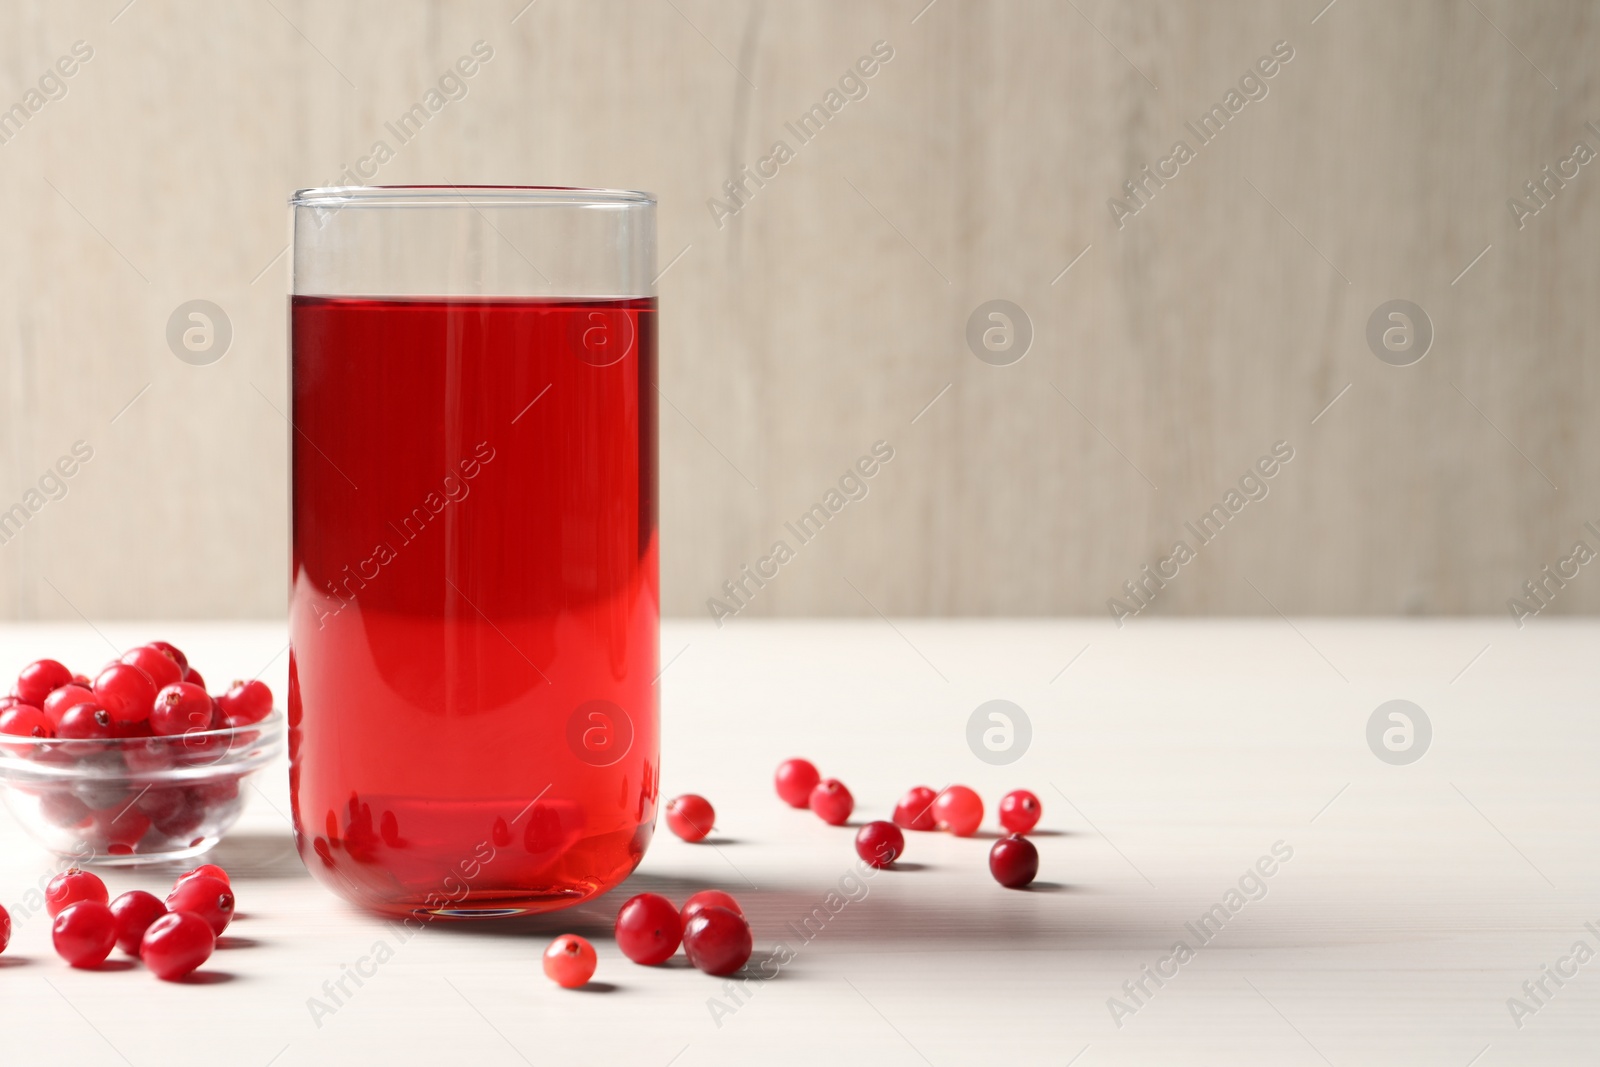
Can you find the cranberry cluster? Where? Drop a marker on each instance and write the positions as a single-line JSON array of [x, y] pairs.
[[172, 937], [1014, 861], [711, 927]]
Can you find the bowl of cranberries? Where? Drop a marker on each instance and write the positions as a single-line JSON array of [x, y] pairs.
[[139, 764]]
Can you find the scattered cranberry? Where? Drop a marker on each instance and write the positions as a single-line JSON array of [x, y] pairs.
[[796, 778], [915, 810], [649, 929], [179, 709], [134, 912], [880, 843], [39, 678], [208, 897], [59, 702], [1020, 811], [176, 944], [569, 961], [5, 929], [158, 666], [245, 703], [717, 941], [177, 655], [708, 898], [21, 720], [1013, 861], [71, 886], [87, 722], [832, 802], [959, 810], [208, 869], [690, 817], [125, 691], [85, 933]]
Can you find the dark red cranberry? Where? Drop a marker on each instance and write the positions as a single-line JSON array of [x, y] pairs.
[[134, 912], [87, 722], [177, 656], [21, 720], [176, 944], [180, 708], [880, 843], [915, 810], [245, 703], [708, 898], [125, 691], [1013, 861], [1020, 811], [648, 929], [38, 679], [717, 941], [795, 780], [57, 703], [208, 897], [85, 933], [690, 816], [158, 666], [832, 802]]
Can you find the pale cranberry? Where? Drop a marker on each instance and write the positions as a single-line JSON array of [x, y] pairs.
[[569, 961], [959, 810]]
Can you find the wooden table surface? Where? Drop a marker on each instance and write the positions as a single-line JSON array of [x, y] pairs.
[[1406, 905]]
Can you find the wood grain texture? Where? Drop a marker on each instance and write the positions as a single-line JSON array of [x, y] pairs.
[[831, 309]]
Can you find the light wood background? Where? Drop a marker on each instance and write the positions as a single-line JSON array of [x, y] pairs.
[[828, 313]]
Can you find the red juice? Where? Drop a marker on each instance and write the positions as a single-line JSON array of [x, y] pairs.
[[474, 613]]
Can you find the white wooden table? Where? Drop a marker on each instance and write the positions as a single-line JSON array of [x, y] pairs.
[[1170, 757]]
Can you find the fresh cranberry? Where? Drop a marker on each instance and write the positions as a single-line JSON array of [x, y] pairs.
[[210, 870], [5, 929], [71, 886], [795, 780], [180, 708], [708, 898], [1020, 811], [160, 668], [85, 933], [832, 802], [21, 720], [38, 679], [690, 817], [880, 843], [87, 722], [915, 810], [245, 703], [648, 929], [177, 655], [959, 810], [117, 830], [717, 941], [208, 897], [10, 700], [192, 676], [1013, 861], [68, 696], [125, 691], [569, 961], [134, 912], [176, 944]]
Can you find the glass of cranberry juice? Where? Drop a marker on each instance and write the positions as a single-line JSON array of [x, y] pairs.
[[474, 592]]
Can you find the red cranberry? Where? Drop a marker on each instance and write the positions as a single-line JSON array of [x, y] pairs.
[[21, 720], [796, 778], [245, 703], [87, 722], [5, 929], [180, 708], [68, 696], [125, 691], [176, 944], [832, 802], [71, 886], [38, 679], [177, 656], [648, 929], [708, 898], [717, 941], [569, 961], [880, 843], [690, 817], [1013, 861], [208, 897], [959, 810], [117, 830], [915, 810], [85, 933], [134, 912], [208, 869], [1020, 811], [192, 676], [160, 668]]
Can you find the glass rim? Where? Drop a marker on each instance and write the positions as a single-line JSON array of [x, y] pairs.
[[471, 195]]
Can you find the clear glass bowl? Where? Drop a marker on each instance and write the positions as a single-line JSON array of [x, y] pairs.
[[134, 800]]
